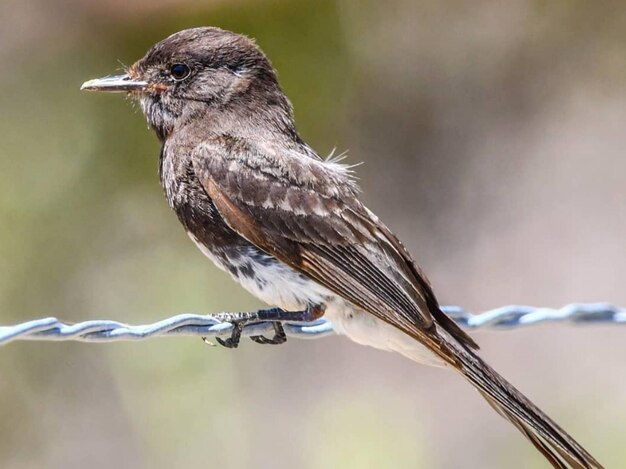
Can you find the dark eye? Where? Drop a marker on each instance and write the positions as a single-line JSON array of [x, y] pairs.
[[235, 68], [180, 71]]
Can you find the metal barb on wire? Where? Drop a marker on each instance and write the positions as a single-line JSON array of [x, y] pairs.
[[507, 317]]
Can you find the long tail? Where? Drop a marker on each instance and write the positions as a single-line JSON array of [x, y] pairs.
[[551, 440]]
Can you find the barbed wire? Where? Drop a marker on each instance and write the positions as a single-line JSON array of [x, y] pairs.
[[507, 317]]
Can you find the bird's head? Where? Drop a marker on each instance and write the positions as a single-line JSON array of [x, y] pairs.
[[196, 72]]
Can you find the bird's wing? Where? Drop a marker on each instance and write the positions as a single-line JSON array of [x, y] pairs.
[[305, 212]]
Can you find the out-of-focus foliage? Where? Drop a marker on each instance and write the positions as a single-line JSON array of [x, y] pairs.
[[493, 140]]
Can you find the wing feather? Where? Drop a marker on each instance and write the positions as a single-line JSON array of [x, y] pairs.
[[306, 213]]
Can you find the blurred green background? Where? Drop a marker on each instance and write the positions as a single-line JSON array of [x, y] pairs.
[[492, 136]]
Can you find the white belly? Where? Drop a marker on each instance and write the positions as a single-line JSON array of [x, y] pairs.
[[274, 283], [366, 329]]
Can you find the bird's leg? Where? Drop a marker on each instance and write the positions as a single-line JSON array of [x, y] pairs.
[[274, 315], [309, 314]]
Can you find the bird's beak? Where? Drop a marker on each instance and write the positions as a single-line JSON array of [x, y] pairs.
[[115, 84]]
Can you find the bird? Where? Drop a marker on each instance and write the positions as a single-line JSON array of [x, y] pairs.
[[289, 225]]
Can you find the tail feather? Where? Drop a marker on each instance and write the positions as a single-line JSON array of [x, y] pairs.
[[560, 449], [555, 459]]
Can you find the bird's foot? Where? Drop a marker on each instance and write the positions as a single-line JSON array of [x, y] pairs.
[[274, 315], [235, 336], [279, 336]]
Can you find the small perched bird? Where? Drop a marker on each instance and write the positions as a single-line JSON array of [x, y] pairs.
[[289, 226]]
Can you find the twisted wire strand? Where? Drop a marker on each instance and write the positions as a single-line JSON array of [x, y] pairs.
[[506, 317]]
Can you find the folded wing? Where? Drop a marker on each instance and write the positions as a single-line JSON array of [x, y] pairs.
[[305, 212]]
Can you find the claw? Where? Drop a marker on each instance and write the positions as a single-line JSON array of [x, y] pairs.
[[234, 339], [279, 336], [208, 342], [228, 343]]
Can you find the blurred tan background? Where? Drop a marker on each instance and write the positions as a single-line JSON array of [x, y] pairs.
[[492, 135]]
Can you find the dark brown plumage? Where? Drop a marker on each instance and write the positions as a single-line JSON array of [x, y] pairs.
[[288, 225]]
